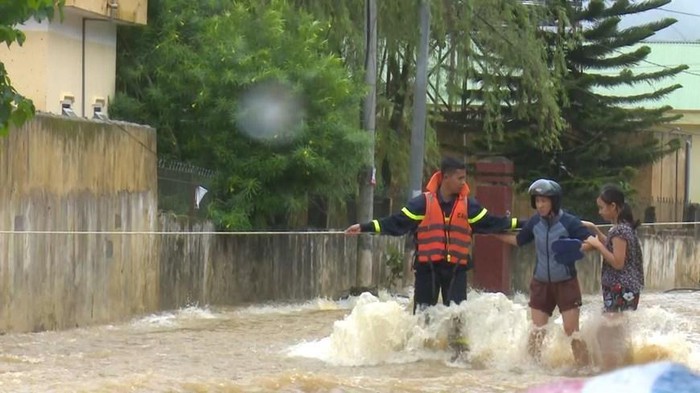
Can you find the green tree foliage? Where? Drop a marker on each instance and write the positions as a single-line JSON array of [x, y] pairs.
[[187, 73], [606, 136], [14, 108], [500, 35]]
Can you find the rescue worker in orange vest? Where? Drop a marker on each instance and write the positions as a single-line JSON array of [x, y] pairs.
[[442, 219]]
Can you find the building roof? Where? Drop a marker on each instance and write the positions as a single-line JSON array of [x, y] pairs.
[[665, 54]]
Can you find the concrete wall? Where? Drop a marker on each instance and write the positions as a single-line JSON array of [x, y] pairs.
[[225, 269], [60, 174], [671, 260], [74, 175], [77, 179]]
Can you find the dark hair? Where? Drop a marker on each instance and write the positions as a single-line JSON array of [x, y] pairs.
[[613, 194], [450, 164]]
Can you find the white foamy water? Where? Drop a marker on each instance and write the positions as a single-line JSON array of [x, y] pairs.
[[375, 332], [497, 329], [174, 319], [359, 344]]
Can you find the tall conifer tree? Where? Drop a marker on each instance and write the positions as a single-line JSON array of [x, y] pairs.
[[606, 138]]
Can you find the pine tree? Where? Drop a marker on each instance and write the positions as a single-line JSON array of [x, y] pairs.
[[607, 136]]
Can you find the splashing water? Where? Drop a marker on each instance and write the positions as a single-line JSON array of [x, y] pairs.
[[497, 329], [356, 345], [373, 333], [174, 319]]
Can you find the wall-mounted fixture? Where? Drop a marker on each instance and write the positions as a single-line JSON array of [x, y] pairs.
[[67, 101], [112, 8], [98, 109]]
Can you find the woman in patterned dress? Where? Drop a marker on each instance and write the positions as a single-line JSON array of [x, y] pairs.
[[622, 273]]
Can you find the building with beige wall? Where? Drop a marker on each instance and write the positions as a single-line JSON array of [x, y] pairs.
[[673, 182], [71, 62]]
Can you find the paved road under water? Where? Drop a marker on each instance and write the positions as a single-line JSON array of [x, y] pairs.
[[363, 344]]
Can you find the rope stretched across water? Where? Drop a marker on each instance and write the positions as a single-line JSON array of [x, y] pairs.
[[58, 232], [311, 232]]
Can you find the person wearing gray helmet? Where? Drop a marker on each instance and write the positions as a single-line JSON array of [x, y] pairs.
[[554, 282]]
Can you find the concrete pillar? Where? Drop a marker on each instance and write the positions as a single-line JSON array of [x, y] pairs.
[[494, 190]]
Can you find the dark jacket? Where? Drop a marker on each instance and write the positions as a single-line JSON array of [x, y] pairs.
[[412, 214], [544, 231]]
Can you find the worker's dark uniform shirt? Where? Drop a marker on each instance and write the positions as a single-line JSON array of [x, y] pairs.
[[412, 214]]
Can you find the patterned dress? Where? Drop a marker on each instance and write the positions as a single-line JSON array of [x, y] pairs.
[[621, 288]]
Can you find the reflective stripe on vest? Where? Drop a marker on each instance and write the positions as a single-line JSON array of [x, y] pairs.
[[441, 238]]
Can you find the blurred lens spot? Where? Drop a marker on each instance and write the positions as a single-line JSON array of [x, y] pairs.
[[270, 112]]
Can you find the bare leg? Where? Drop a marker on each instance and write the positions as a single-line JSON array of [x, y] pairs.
[[612, 343], [534, 344], [578, 346]]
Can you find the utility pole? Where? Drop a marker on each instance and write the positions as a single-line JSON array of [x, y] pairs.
[[420, 108], [365, 206]]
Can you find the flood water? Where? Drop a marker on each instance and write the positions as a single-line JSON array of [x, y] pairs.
[[361, 344]]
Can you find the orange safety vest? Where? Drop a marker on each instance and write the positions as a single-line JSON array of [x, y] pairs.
[[441, 238]]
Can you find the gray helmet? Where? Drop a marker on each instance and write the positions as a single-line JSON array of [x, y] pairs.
[[548, 188]]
